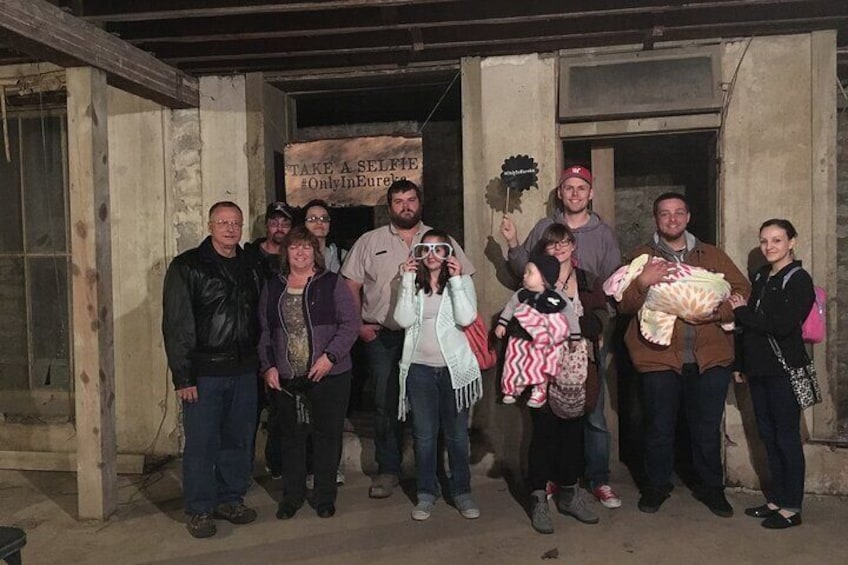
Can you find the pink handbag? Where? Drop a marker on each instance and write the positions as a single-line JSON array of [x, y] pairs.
[[478, 340], [814, 327]]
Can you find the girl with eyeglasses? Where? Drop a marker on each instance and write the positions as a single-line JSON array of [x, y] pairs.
[[317, 221], [556, 453], [439, 376]]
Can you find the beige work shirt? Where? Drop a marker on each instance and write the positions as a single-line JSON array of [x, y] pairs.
[[374, 262]]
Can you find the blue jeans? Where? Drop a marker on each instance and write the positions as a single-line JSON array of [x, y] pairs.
[[779, 423], [596, 435], [704, 395], [383, 356], [218, 440], [433, 404]]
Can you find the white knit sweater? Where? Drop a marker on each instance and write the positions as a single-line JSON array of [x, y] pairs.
[[458, 309]]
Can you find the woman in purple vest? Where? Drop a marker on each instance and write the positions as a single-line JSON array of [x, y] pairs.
[[309, 321]]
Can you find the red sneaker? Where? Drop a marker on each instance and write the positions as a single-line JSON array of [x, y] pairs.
[[607, 496]]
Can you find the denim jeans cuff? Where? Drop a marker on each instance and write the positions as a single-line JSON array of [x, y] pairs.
[[459, 498], [426, 497], [595, 482]]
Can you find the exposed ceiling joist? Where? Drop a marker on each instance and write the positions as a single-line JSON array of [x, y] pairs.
[[307, 24], [240, 8], [47, 33]]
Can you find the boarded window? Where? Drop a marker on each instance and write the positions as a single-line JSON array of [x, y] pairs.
[[646, 83], [34, 299]]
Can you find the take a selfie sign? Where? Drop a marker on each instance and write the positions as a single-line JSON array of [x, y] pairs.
[[351, 171]]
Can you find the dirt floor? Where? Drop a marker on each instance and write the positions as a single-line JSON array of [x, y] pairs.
[[148, 528]]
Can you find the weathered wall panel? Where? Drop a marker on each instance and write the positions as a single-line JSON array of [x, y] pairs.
[[137, 180], [224, 137]]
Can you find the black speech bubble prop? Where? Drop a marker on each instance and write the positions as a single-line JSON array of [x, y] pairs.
[[519, 173]]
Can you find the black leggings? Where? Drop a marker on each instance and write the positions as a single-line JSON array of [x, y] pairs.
[[556, 449], [328, 399]]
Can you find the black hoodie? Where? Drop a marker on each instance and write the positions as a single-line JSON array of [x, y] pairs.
[[778, 311]]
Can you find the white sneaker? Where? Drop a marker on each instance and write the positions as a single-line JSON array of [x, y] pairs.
[[468, 509], [340, 478], [508, 399], [422, 510]]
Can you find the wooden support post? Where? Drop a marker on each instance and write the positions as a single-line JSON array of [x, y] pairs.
[[603, 176], [823, 265], [91, 281], [603, 203]]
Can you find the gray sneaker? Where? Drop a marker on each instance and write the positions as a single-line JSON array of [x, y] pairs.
[[422, 510], [382, 486], [468, 509], [201, 525], [540, 514], [571, 501]]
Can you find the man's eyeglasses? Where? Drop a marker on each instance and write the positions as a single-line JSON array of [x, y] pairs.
[[228, 224], [317, 219], [560, 244], [279, 224], [440, 250]]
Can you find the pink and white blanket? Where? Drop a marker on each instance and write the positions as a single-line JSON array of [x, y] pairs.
[[691, 293]]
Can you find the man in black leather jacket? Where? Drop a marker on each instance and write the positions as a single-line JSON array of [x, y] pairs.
[[211, 330]]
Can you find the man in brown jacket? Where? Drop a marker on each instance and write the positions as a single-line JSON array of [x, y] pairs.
[[696, 367]]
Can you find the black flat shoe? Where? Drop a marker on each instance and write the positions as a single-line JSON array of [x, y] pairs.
[[287, 510], [778, 522], [760, 511], [326, 510]]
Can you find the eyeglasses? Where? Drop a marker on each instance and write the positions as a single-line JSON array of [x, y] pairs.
[[227, 223], [317, 219], [560, 244], [279, 224], [420, 251]]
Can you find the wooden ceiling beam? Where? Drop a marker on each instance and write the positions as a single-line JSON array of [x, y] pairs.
[[307, 25], [515, 43], [47, 33], [126, 13]]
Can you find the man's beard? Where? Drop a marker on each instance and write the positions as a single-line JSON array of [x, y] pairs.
[[405, 223], [278, 237]]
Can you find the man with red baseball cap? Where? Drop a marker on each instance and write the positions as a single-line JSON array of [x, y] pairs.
[[598, 253]]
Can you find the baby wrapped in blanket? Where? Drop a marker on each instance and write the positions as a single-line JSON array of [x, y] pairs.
[[691, 293]]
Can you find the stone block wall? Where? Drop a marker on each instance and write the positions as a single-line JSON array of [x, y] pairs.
[[634, 198], [839, 307]]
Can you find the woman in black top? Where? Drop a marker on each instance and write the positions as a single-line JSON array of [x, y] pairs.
[[781, 297]]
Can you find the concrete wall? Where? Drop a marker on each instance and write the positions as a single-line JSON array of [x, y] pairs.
[[139, 250], [268, 129], [508, 108], [840, 307], [777, 148], [224, 138]]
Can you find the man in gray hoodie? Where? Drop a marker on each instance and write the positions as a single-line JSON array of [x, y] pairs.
[[598, 253]]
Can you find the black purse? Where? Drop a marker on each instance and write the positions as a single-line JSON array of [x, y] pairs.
[[804, 383]]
